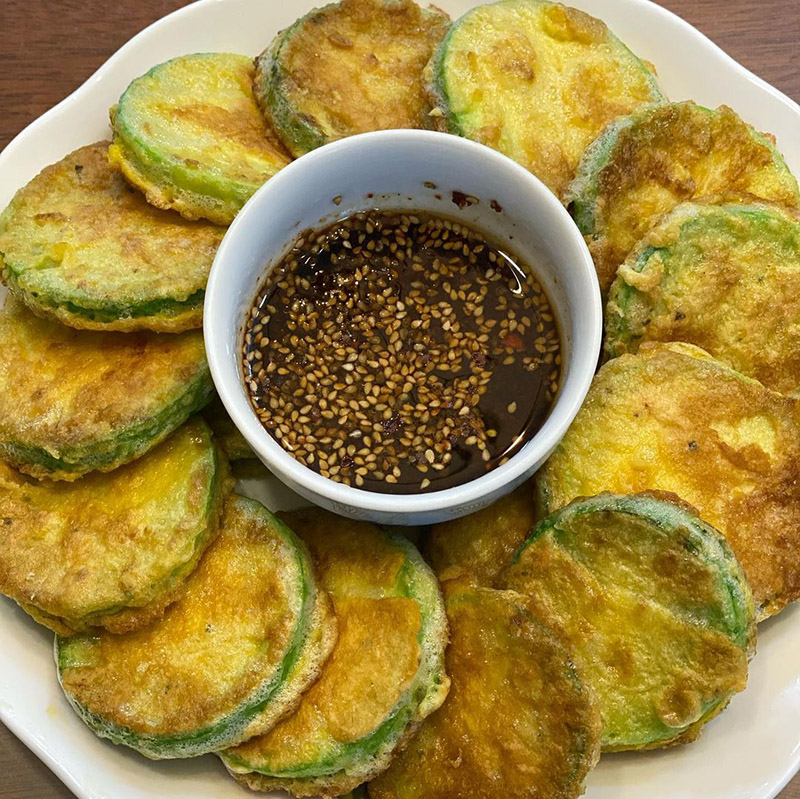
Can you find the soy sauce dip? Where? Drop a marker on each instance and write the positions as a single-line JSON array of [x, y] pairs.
[[401, 352]]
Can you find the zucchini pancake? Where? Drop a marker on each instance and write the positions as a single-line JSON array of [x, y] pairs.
[[247, 636], [349, 67], [643, 165], [537, 81], [111, 550], [226, 434], [79, 245], [480, 546], [518, 723], [386, 673], [715, 276], [189, 134], [672, 418], [608, 603], [655, 605], [75, 401]]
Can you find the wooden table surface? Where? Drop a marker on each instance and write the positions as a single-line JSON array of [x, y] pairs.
[[49, 48]]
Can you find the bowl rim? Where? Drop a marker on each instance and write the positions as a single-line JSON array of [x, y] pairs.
[[225, 369]]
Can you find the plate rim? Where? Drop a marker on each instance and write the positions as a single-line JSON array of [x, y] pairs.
[[8, 717]]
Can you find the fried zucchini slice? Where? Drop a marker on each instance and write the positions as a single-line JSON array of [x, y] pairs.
[[641, 166], [537, 81], [723, 277], [672, 418], [349, 67], [78, 245], [655, 605], [386, 673], [480, 546], [232, 656], [111, 550], [518, 722], [227, 435], [189, 134], [74, 401]]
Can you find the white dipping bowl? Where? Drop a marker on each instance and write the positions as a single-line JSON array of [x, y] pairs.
[[396, 169]]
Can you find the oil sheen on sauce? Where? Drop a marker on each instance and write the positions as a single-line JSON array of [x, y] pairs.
[[401, 352]]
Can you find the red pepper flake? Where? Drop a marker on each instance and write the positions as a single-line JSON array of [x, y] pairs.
[[514, 341]]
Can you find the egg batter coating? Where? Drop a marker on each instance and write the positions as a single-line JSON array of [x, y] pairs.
[[386, 673], [349, 67], [655, 605], [537, 81], [672, 418], [643, 165], [189, 134], [518, 723], [77, 244], [227, 661], [112, 550], [75, 401], [723, 277], [480, 546]]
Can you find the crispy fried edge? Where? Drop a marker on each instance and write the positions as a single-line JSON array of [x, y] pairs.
[[318, 640], [348, 779]]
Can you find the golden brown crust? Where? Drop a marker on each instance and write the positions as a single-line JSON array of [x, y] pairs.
[[111, 550], [78, 245], [482, 544], [190, 136], [680, 152], [725, 277], [356, 66], [342, 549], [510, 672], [672, 418], [537, 81], [214, 650], [116, 385], [656, 607], [362, 681], [175, 323], [342, 733]]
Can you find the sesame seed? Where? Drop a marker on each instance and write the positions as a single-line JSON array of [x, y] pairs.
[[400, 333]]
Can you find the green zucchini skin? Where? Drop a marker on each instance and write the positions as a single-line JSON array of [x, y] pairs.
[[123, 394], [493, 77], [249, 532], [310, 101], [583, 192], [300, 133], [78, 246], [656, 605], [642, 165], [190, 136], [74, 462], [337, 766], [705, 274]]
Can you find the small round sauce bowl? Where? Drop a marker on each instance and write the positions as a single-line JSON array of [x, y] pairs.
[[421, 171]]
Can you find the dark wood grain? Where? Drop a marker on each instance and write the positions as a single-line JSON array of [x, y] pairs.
[[49, 48]]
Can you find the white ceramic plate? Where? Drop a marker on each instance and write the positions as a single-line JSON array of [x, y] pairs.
[[750, 752]]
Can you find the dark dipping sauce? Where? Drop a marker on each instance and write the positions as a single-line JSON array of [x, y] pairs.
[[401, 352]]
